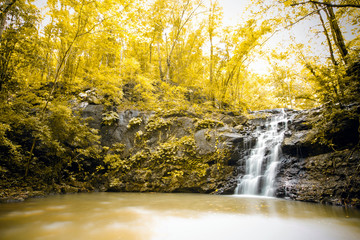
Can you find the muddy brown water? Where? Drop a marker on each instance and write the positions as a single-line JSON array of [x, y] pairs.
[[156, 216]]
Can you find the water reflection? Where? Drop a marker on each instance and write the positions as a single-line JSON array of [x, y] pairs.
[[174, 216]]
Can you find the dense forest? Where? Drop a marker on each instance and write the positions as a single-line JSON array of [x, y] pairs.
[[157, 56]]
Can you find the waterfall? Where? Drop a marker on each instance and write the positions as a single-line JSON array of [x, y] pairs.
[[263, 158]]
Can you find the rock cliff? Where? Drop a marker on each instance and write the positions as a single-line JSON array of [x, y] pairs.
[[320, 160], [321, 157], [185, 152], [172, 151]]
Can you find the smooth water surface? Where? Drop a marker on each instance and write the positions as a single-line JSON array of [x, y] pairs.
[[174, 216]]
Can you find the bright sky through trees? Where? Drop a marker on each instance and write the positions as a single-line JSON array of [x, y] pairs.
[[233, 10], [308, 29], [253, 52], [236, 11]]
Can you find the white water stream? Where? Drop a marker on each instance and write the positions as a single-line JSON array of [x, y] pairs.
[[263, 158]]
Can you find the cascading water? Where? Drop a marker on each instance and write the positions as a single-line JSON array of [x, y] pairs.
[[263, 158]]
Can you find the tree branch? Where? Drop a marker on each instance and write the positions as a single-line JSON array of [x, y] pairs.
[[7, 5], [290, 25], [327, 4]]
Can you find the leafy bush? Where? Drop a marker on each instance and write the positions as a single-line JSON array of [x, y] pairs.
[[110, 118], [156, 123], [134, 122], [208, 123]]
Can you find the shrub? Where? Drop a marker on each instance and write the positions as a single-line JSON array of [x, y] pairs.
[[134, 122], [208, 123], [110, 118]]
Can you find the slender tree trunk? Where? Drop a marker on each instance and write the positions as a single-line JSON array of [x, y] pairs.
[[150, 52], [168, 66], [212, 95], [121, 56], [211, 58], [327, 38], [49, 73], [182, 21], [2, 24], [338, 81], [336, 33], [160, 67]]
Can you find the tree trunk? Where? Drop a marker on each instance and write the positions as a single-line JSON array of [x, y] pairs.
[[168, 66], [2, 23], [211, 77], [211, 59], [338, 81], [327, 38], [3, 13], [122, 45], [160, 67], [336, 33], [150, 52]]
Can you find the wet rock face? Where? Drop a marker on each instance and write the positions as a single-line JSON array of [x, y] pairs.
[[309, 170], [313, 172], [300, 135], [326, 178]]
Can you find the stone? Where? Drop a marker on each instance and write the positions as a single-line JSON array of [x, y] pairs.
[[231, 137], [205, 141], [95, 113]]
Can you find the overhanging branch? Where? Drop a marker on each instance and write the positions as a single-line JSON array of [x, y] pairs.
[[327, 4], [292, 24]]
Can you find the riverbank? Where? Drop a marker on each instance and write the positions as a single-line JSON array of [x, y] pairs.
[[21, 191]]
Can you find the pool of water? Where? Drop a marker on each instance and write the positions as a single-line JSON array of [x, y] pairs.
[[174, 216]]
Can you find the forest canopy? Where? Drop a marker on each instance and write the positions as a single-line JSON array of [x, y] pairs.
[[155, 53]]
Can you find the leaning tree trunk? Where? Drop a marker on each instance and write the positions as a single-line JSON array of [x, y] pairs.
[[336, 33], [327, 38], [338, 82]]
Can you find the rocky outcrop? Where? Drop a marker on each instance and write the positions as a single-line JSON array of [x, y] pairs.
[[185, 152], [331, 178], [320, 159], [312, 170], [172, 151]]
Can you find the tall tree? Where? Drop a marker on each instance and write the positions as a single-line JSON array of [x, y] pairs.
[[215, 17], [180, 15], [4, 9], [336, 32], [19, 46], [240, 44]]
